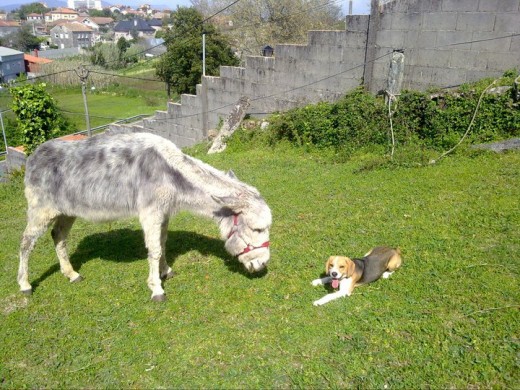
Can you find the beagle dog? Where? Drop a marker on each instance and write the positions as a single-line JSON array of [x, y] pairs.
[[347, 273]]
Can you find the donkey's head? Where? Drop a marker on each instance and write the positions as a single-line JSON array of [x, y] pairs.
[[244, 226]]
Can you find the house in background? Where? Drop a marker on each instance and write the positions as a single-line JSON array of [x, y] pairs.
[[156, 24], [86, 4], [33, 64], [35, 18], [61, 13], [11, 64], [71, 35], [99, 25], [8, 26], [130, 28]]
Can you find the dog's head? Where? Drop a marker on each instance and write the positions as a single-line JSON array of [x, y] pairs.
[[339, 267]]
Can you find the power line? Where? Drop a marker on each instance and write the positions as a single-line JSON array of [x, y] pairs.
[[193, 27], [91, 116], [190, 39], [327, 78], [287, 91], [126, 77], [43, 76]]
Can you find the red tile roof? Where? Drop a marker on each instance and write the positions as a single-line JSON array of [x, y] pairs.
[[36, 60], [70, 137]]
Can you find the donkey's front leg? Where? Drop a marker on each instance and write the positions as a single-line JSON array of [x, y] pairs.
[[151, 223], [165, 270]]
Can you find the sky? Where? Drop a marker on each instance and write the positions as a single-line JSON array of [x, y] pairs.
[[359, 7]]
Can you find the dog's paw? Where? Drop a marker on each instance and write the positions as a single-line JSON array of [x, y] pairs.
[[317, 282], [319, 302]]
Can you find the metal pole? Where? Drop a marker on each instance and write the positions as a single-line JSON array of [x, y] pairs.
[[203, 54], [350, 7], [83, 91], [3, 131], [83, 76]]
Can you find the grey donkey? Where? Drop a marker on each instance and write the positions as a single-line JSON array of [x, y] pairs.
[[108, 177]]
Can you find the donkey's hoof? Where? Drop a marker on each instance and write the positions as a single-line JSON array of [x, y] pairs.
[[168, 275], [27, 292], [77, 280], [159, 298]]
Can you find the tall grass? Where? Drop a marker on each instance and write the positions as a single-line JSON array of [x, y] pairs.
[[447, 319]]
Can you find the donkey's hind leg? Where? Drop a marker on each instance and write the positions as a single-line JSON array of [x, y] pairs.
[[59, 233], [38, 221]]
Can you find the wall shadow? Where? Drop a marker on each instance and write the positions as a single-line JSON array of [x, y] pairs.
[[127, 245]]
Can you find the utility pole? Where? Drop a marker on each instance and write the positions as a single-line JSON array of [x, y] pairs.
[[83, 76], [3, 130], [204, 54], [204, 89]]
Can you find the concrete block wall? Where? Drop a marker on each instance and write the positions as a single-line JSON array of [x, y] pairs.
[[324, 69], [445, 42]]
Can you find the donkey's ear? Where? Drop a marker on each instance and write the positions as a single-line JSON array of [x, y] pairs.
[[231, 174], [231, 202]]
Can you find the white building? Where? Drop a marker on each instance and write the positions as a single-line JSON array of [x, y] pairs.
[[89, 4]]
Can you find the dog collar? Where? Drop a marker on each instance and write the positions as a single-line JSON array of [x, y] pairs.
[[249, 247]]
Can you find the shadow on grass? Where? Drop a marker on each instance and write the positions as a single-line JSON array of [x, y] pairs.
[[126, 245]]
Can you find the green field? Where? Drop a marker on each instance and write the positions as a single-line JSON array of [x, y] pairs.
[[447, 319], [105, 107]]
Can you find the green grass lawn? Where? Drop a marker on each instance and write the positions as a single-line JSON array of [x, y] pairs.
[[105, 107], [447, 319]]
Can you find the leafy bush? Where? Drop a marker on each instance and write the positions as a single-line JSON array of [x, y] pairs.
[[439, 120], [115, 55], [355, 120], [37, 115], [435, 120]]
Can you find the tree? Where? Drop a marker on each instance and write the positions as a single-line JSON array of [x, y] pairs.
[[100, 13], [181, 66], [115, 55], [22, 39], [37, 115], [33, 8], [257, 23], [122, 46]]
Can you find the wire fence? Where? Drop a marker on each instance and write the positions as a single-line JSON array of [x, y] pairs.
[[4, 138], [94, 130]]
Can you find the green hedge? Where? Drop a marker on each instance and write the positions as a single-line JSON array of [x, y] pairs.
[[433, 119]]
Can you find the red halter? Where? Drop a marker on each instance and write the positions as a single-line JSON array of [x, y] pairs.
[[249, 247]]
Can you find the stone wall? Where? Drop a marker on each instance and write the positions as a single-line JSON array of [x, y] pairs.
[[445, 43], [324, 69]]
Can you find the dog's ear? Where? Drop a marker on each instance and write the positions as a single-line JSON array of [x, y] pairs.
[[328, 264], [351, 267]]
